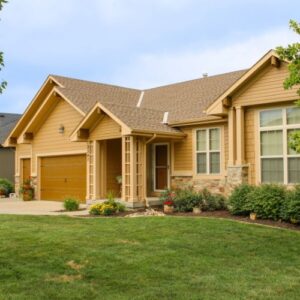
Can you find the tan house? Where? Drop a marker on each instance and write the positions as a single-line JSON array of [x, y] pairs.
[[80, 138]]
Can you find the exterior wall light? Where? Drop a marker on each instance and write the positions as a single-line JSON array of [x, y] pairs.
[[61, 129]]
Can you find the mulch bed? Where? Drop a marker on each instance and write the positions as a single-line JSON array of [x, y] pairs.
[[224, 214]]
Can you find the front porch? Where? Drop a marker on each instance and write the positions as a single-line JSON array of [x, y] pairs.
[[135, 169]]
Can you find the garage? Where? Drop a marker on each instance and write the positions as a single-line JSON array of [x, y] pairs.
[[63, 176]]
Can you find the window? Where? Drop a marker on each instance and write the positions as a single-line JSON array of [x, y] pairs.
[[279, 163], [208, 151]]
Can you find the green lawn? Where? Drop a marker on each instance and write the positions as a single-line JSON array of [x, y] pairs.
[[146, 258]]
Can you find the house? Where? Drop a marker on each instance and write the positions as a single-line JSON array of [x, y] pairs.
[[7, 155], [78, 138]]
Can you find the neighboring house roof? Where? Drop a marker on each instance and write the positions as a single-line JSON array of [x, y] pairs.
[[7, 123]]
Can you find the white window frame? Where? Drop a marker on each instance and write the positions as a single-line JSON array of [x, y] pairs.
[[208, 151], [284, 128]]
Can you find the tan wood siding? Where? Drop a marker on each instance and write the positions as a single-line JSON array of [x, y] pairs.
[[183, 152], [266, 87], [49, 140], [106, 129], [250, 145], [114, 165], [63, 176]]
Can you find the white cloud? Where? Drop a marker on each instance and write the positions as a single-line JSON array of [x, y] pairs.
[[151, 70]]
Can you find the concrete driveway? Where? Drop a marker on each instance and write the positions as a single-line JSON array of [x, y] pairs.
[[37, 207]]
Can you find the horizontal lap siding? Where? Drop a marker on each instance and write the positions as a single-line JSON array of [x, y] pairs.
[[48, 140], [183, 152], [106, 129], [250, 151], [267, 86], [264, 90]]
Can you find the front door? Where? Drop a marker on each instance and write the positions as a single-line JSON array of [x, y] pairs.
[[161, 167]]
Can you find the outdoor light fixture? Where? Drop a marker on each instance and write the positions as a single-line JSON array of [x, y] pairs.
[[61, 129]]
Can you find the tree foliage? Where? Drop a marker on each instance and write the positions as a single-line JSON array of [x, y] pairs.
[[291, 53], [2, 83]]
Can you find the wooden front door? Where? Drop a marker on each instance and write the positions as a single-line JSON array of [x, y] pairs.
[[26, 169], [161, 166]]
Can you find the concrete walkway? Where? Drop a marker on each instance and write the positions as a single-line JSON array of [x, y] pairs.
[[37, 207]]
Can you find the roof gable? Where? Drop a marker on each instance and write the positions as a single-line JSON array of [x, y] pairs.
[[218, 107]]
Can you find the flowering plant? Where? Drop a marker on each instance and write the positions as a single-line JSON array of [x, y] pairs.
[[169, 203]]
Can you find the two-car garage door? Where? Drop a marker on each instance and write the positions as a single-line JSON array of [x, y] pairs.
[[63, 176]]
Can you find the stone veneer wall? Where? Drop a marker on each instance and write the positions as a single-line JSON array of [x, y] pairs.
[[236, 175]]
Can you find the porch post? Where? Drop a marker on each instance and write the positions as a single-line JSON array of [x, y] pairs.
[[240, 139], [231, 136], [133, 173]]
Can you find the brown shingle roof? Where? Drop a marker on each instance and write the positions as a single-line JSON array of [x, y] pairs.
[[187, 100], [184, 101]]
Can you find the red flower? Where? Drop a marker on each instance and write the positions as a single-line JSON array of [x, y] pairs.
[[169, 203]]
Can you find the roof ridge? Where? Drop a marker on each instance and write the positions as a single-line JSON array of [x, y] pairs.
[[192, 80], [149, 89], [94, 82], [131, 107]]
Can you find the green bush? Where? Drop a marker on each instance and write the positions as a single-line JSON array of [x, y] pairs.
[[238, 199], [290, 210], [187, 199], [267, 201], [7, 186], [212, 202], [71, 204]]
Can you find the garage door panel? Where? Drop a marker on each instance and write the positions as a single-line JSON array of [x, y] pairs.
[[63, 176]]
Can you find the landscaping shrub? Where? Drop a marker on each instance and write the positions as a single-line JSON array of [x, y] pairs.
[[107, 208], [290, 210], [267, 201], [71, 204], [186, 200], [6, 186], [238, 200], [212, 202]]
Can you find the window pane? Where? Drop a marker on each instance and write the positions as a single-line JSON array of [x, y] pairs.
[[294, 170], [293, 115], [201, 163], [214, 139], [214, 163], [289, 150], [201, 140], [272, 170], [271, 118], [271, 142]]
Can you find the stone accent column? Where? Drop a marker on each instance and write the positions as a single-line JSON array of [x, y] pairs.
[[237, 175]]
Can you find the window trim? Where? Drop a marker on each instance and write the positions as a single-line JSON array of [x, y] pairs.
[[284, 128], [208, 151]]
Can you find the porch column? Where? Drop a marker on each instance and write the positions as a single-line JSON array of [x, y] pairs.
[[231, 137], [240, 138], [133, 157]]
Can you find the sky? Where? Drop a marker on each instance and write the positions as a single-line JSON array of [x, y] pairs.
[[134, 43]]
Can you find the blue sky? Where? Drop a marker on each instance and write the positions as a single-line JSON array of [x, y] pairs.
[[134, 43]]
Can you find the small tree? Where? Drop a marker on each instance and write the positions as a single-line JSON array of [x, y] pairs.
[[292, 54], [3, 84]]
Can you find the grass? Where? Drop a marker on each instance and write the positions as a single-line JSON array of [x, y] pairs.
[[146, 258]]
